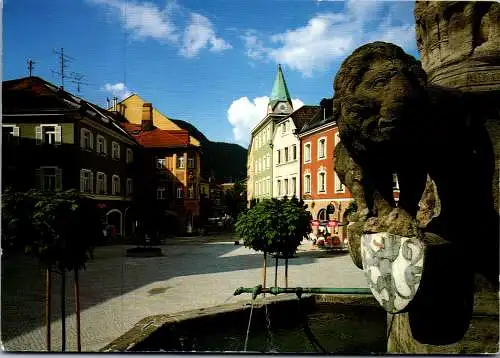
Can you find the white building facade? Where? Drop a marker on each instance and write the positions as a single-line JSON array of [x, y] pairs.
[[286, 163]]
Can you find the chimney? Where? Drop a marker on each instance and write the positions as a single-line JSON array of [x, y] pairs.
[[147, 117]]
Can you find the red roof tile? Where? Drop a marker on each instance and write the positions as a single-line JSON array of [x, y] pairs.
[[158, 138]]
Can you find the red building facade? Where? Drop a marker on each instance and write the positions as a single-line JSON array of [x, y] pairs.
[[320, 186]]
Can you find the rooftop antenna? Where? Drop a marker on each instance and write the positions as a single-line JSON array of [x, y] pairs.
[[78, 79], [63, 59], [30, 66]]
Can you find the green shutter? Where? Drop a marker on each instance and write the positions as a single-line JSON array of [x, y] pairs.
[[58, 179]]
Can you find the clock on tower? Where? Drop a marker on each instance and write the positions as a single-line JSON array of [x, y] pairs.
[[282, 108]]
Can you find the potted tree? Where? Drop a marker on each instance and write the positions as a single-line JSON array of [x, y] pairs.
[[274, 226]]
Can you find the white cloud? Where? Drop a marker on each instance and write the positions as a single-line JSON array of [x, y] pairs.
[[331, 36], [147, 20], [200, 34], [244, 115], [144, 20], [117, 90]]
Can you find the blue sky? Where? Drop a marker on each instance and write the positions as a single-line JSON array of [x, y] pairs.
[[211, 63]]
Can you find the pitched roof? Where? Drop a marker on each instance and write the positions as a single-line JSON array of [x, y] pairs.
[[304, 115], [280, 89], [318, 120], [158, 138], [34, 95]]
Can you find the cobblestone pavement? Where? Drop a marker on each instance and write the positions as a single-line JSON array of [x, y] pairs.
[[116, 291]]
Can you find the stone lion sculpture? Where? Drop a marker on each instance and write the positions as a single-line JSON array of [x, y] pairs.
[[391, 122], [378, 104], [434, 139]]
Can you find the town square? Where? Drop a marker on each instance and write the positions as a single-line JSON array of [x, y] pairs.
[[186, 177]]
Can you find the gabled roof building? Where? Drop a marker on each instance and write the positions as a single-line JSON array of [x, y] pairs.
[[54, 140]]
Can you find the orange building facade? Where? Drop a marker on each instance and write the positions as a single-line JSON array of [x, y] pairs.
[[320, 186]]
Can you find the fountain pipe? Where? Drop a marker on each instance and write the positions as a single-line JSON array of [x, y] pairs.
[[255, 291]]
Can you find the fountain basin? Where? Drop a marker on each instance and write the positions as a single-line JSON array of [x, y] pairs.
[[339, 324]]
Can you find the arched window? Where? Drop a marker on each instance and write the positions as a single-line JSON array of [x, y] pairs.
[[322, 214]]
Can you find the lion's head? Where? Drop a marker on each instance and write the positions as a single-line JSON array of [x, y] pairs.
[[379, 95]]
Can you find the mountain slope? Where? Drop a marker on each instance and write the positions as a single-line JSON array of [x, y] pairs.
[[226, 161]]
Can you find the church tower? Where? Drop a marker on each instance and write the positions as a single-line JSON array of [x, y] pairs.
[[280, 101]]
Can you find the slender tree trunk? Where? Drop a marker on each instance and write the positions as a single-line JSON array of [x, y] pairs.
[[286, 272], [276, 272], [265, 269], [48, 298], [77, 309], [63, 310]]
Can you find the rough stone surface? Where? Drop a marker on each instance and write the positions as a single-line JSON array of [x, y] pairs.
[[459, 43], [439, 132], [481, 337]]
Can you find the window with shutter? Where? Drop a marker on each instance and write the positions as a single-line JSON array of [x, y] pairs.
[[307, 184], [49, 178], [322, 148], [10, 133], [116, 185], [91, 140], [58, 130], [105, 184], [38, 133], [38, 179], [82, 138], [129, 156], [321, 182], [339, 187], [179, 192], [91, 186], [86, 181], [82, 181], [129, 187], [307, 152], [58, 179]]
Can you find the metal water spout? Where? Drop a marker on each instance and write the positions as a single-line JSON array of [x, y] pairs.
[[255, 291]]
